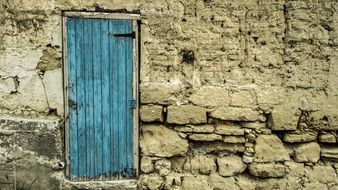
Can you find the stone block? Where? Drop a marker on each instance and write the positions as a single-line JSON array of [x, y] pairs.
[[307, 152], [237, 114], [315, 186], [222, 183], [267, 170], [217, 146], [147, 165], [163, 167], [242, 98], [224, 129], [253, 125], [283, 118], [322, 174], [329, 152], [230, 165], [159, 93], [186, 114], [327, 138], [201, 164], [177, 163], [153, 143], [198, 182], [150, 113], [204, 128], [300, 136], [269, 148], [210, 96], [234, 139], [151, 181], [205, 137]]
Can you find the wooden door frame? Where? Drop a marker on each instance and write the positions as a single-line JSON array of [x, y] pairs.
[[103, 15]]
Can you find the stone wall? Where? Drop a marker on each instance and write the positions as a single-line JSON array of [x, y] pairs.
[[234, 94]]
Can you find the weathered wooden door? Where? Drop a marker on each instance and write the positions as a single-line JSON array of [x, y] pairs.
[[101, 97]]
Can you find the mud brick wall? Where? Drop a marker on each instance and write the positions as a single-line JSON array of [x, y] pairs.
[[239, 95]]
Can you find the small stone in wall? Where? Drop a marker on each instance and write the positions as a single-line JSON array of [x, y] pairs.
[[204, 128], [267, 170], [147, 165], [224, 129], [177, 164], [217, 146], [269, 148], [330, 152], [300, 136], [151, 181], [205, 137], [150, 113], [308, 152], [253, 125], [327, 138], [230, 165], [186, 114], [163, 167], [233, 139], [315, 186]]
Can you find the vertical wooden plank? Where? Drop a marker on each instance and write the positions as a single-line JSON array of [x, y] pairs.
[[97, 64], [106, 102], [115, 113], [89, 95], [129, 97], [80, 81], [71, 34]]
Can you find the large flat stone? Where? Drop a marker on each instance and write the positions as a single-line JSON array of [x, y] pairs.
[[209, 96], [159, 93], [158, 140]]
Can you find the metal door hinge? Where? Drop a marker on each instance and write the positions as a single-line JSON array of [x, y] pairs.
[[132, 34], [133, 104]]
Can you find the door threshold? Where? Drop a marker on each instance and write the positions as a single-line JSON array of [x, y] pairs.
[[130, 184]]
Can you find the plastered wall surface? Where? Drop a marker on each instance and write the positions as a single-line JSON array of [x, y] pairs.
[[244, 92]]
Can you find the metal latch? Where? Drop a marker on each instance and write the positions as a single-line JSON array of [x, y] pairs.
[[133, 104], [132, 34]]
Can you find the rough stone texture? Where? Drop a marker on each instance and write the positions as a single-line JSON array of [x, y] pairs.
[[153, 143], [150, 113], [205, 137], [269, 66], [205, 128], [159, 93], [330, 152], [233, 139], [222, 183], [327, 138], [224, 129], [267, 170], [210, 96], [186, 114], [237, 114], [195, 183], [201, 164], [147, 165], [283, 118], [308, 152], [54, 89], [269, 148], [322, 174], [230, 165], [293, 137]]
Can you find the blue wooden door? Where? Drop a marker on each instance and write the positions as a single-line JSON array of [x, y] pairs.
[[100, 98]]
